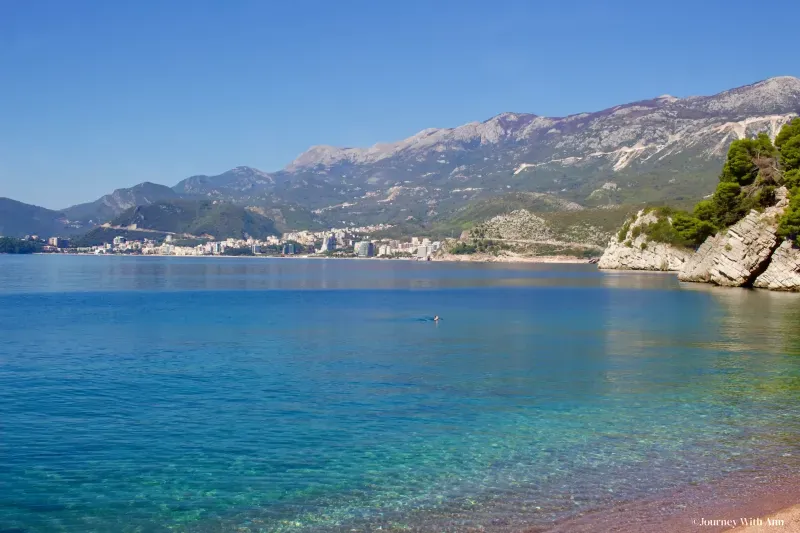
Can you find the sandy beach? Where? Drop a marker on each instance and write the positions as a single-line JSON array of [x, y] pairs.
[[745, 502], [784, 521]]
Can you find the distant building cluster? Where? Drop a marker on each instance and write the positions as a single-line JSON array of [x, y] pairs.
[[349, 242], [170, 246], [421, 248]]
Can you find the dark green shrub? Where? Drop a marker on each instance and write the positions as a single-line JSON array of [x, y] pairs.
[[790, 153], [728, 204], [623, 231], [9, 245], [789, 225], [704, 210], [765, 196], [463, 248], [791, 178], [792, 129]]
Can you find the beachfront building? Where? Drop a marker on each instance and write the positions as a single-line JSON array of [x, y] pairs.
[[328, 243], [365, 249]]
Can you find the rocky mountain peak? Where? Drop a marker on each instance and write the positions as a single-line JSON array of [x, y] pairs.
[[624, 127], [773, 95], [654, 149], [321, 154], [250, 171]]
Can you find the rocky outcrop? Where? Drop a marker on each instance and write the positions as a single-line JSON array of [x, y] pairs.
[[516, 225], [783, 272], [736, 257], [635, 252]]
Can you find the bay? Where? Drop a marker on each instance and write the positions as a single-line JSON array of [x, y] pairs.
[[212, 394]]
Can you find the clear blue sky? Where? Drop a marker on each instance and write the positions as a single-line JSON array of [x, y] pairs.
[[96, 95]]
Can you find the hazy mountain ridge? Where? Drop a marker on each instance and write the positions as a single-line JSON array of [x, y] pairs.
[[109, 206], [239, 179], [661, 149], [756, 102], [18, 219], [196, 218]]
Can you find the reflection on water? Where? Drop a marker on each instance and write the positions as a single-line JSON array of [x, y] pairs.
[[114, 273], [755, 320]]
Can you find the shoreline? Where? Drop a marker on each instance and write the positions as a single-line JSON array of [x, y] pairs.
[[786, 521], [751, 501], [636, 271], [484, 258], [474, 258]]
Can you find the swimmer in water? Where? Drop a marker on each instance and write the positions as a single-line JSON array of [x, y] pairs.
[[436, 318]]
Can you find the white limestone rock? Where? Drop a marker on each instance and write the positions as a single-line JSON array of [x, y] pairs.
[[734, 256], [638, 253], [783, 272]]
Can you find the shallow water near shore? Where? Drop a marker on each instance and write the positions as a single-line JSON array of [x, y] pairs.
[[182, 394]]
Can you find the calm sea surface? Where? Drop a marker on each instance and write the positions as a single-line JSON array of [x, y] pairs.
[[199, 395]]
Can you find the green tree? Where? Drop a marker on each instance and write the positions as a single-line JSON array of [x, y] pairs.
[[704, 210], [690, 230], [462, 248], [727, 202], [790, 153], [762, 146], [739, 167], [789, 225], [9, 245], [792, 129], [765, 196], [791, 178]]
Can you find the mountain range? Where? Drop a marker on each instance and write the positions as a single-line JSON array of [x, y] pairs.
[[18, 219], [193, 219], [109, 206], [665, 149]]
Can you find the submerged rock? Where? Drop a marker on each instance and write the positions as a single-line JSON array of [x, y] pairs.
[[735, 257], [783, 272], [636, 252]]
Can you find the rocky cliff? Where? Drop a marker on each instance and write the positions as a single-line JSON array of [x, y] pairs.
[[783, 272], [632, 250], [737, 256], [536, 234]]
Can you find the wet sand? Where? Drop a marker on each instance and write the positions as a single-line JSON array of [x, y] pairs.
[[736, 503], [785, 521]]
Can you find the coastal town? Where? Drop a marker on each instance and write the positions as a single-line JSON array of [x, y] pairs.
[[349, 242]]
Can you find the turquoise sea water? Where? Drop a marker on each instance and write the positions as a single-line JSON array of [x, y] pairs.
[[198, 395]]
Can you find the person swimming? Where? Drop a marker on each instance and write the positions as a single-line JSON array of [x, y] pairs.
[[436, 318]]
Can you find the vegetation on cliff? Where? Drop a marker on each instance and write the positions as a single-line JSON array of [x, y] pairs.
[[788, 143], [205, 217], [752, 171]]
